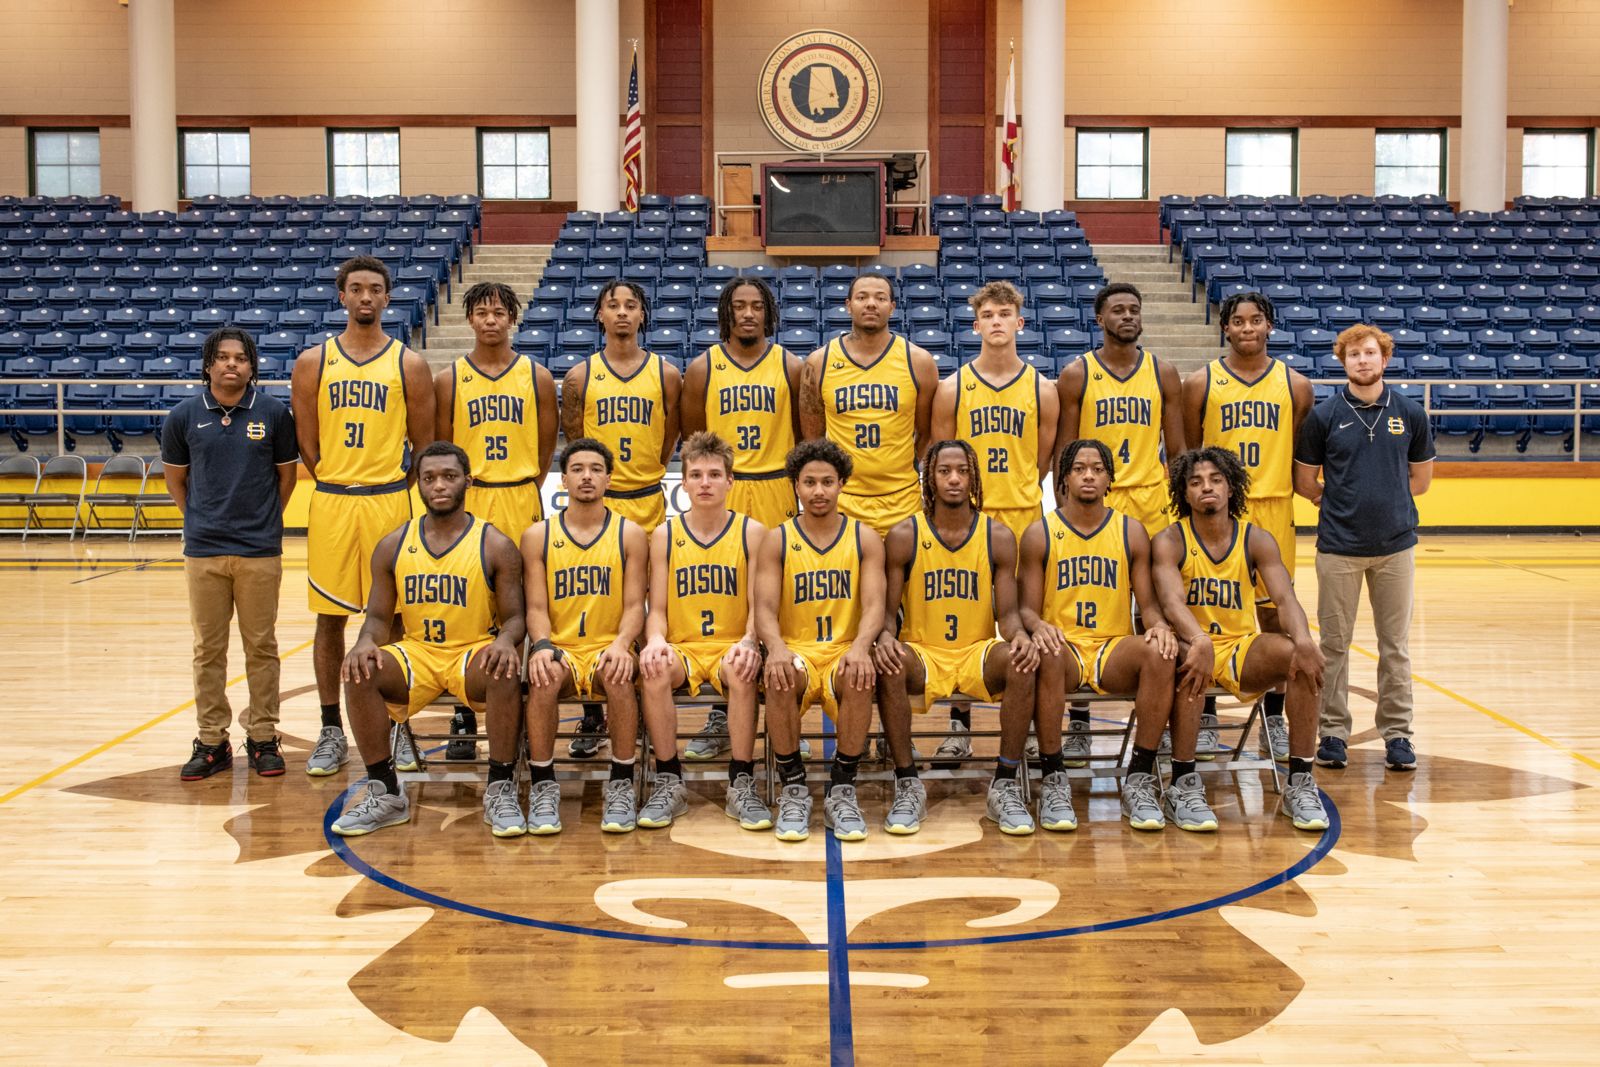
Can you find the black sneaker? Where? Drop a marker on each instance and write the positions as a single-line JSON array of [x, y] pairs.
[[265, 758], [462, 749], [1332, 752], [591, 734], [208, 760]]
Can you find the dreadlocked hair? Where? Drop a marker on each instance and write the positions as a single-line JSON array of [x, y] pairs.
[[1070, 453], [1260, 300], [1225, 460], [930, 458], [484, 292], [769, 306], [622, 283]]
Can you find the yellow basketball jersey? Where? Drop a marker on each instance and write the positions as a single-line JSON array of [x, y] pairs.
[[1088, 578], [445, 601], [949, 591], [871, 413], [496, 419], [629, 416], [1125, 414], [751, 409], [361, 417], [708, 585], [584, 584], [1256, 420], [819, 604], [1001, 423], [1220, 592]]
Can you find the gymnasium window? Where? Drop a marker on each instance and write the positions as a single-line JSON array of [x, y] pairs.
[[1557, 162], [65, 162], [364, 162], [514, 164], [1261, 162], [1409, 163], [1112, 164], [215, 163]]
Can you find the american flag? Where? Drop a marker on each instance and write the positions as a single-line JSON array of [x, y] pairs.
[[632, 141]]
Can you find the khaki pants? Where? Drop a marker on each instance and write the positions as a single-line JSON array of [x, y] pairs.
[[1389, 587], [218, 584]]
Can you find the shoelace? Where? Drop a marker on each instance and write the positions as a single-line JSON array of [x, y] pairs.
[[1144, 793], [327, 744], [1011, 800], [617, 798], [1303, 793], [951, 746], [1058, 792], [792, 807], [1192, 800], [906, 802], [544, 801], [661, 794], [504, 802], [716, 723]]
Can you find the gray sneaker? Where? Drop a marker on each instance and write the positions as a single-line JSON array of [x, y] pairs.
[[1030, 747], [617, 816], [910, 807], [502, 811], [1006, 808], [332, 751], [746, 806], [1277, 728], [668, 800], [1075, 744], [405, 753], [841, 813], [1186, 805], [1302, 802], [1207, 744], [794, 813], [1165, 747], [544, 808], [376, 809], [712, 740], [958, 745], [1055, 803], [1139, 802]]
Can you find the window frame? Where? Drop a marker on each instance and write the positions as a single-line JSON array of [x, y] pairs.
[[1587, 132], [550, 184], [1293, 133], [1444, 153], [33, 158], [1144, 162], [333, 164], [183, 157]]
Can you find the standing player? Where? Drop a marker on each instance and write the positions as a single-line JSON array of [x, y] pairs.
[[953, 569], [1206, 565], [363, 407], [454, 579], [1082, 568], [1254, 404], [819, 605], [500, 407], [700, 629], [584, 576], [870, 391]]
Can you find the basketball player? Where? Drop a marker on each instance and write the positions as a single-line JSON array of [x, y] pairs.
[[1082, 568], [700, 630], [953, 569], [500, 407], [363, 408], [870, 391], [1206, 565], [627, 399], [454, 579], [1253, 404], [584, 581], [1130, 401], [819, 605]]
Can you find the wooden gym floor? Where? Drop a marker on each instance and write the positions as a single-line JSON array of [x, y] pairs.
[[1449, 916]]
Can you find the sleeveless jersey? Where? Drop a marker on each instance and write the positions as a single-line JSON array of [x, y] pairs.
[[819, 604], [1256, 420], [1001, 423], [584, 584], [445, 601], [1088, 579], [629, 415], [1125, 414], [949, 591], [871, 413], [751, 409], [496, 419], [1220, 593], [708, 585], [361, 417]]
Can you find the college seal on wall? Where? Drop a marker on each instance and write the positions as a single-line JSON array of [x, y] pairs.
[[820, 92]]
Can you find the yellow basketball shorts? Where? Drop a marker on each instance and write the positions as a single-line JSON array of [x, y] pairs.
[[1145, 504], [431, 670], [510, 509], [1274, 514], [645, 507], [582, 664], [768, 500], [1017, 520], [1227, 666], [343, 527], [883, 512], [821, 666], [953, 670], [1091, 656], [702, 664]]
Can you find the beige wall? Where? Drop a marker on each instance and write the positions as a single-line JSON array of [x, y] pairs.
[[288, 160], [13, 161]]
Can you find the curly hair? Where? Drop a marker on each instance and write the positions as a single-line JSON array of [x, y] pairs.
[[213, 342], [930, 493], [818, 450], [484, 292], [587, 444], [1361, 332], [769, 306], [638, 291], [1225, 460], [446, 448], [1070, 453], [1260, 300]]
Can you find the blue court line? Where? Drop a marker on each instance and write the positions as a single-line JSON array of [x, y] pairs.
[[841, 1030]]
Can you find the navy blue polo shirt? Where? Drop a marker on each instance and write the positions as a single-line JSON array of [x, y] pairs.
[[1367, 509], [233, 507]]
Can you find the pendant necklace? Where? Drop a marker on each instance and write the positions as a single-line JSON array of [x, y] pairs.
[[227, 414], [1371, 428]]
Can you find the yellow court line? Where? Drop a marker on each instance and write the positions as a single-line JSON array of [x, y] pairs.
[[115, 741]]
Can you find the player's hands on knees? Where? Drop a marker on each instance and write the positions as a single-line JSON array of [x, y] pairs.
[[781, 671], [888, 654], [1048, 640], [499, 660], [1309, 661], [542, 667], [858, 670], [656, 659], [616, 664], [1164, 640], [362, 662], [1024, 652], [1194, 672], [743, 660]]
